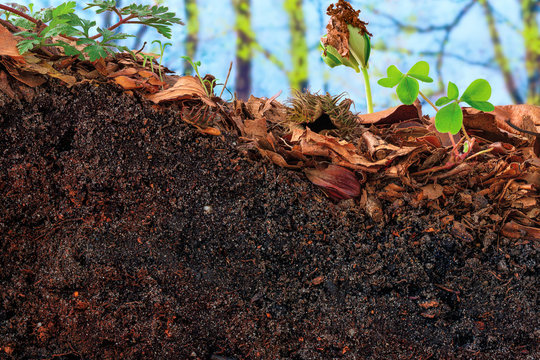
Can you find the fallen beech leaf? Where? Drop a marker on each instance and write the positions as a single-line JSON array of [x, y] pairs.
[[490, 124], [147, 74], [26, 77], [45, 68], [156, 82], [123, 72], [8, 45], [187, 87], [392, 115], [127, 83], [318, 280], [432, 191], [517, 231], [276, 159], [336, 181], [255, 128]]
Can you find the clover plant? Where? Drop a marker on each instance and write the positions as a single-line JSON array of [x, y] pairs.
[[448, 119]]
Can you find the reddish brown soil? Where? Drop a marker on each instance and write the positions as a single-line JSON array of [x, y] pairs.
[[125, 234]]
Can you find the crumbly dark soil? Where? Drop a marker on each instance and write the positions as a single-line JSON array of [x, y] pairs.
[[126, 234]]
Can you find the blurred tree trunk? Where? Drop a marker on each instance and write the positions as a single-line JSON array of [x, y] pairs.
[[192, 39], [244, 48], [500, 57], [531, 37], [298, 75]]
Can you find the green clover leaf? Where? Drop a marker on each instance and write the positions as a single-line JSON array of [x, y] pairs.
[[449, 119], [420, 71], [393, 78]]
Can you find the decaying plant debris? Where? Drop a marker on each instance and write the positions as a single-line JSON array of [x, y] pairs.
[[127, 232]]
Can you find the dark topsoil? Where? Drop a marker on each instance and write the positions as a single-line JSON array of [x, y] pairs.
[[126, 234]]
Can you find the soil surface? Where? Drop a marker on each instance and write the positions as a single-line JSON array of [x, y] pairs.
[[127, 234]]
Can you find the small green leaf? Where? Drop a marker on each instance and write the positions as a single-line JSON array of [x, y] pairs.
[[407, 90], [393, 78], [481, 105], [27, 45], [420, 71], [443, 101], [453, 92], [95, 52], [449, 119], [479, 90]]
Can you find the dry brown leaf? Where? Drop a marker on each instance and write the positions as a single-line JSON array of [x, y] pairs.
[[255, 129], [514, 230], [276, 159], [493, 125], [392, 115], [8, 45], [46, 68], [147, 74], [127, 83], [187, 87], [432, 191], [26, 77], [124, 72]]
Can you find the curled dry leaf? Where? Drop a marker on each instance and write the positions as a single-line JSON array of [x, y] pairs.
[[337, 182], [392, 115], [8, 45], [514, 230], [187, 87], [493, 125]]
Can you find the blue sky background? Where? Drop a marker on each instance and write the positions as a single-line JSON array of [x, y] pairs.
[[470, 39]]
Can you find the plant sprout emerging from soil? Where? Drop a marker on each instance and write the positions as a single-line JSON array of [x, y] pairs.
[[448, 119], [347, 42], [208, 85], [51, 27], [161, 52]]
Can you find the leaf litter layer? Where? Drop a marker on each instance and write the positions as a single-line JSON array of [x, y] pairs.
[[128, 231]]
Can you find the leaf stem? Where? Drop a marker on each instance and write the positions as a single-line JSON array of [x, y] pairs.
[[428, 101], [20, 13], [369, 100], [123, 21]]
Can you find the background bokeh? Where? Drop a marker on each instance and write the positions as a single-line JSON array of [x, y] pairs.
[[404, 31]]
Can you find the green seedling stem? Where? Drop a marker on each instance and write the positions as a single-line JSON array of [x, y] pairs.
[[162, 51], [369, 100]]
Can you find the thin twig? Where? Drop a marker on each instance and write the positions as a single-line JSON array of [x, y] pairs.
[[226, 80]]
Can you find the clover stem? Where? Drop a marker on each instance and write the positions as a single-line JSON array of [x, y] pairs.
[[428, 101], [465, 133], [369, 100]]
